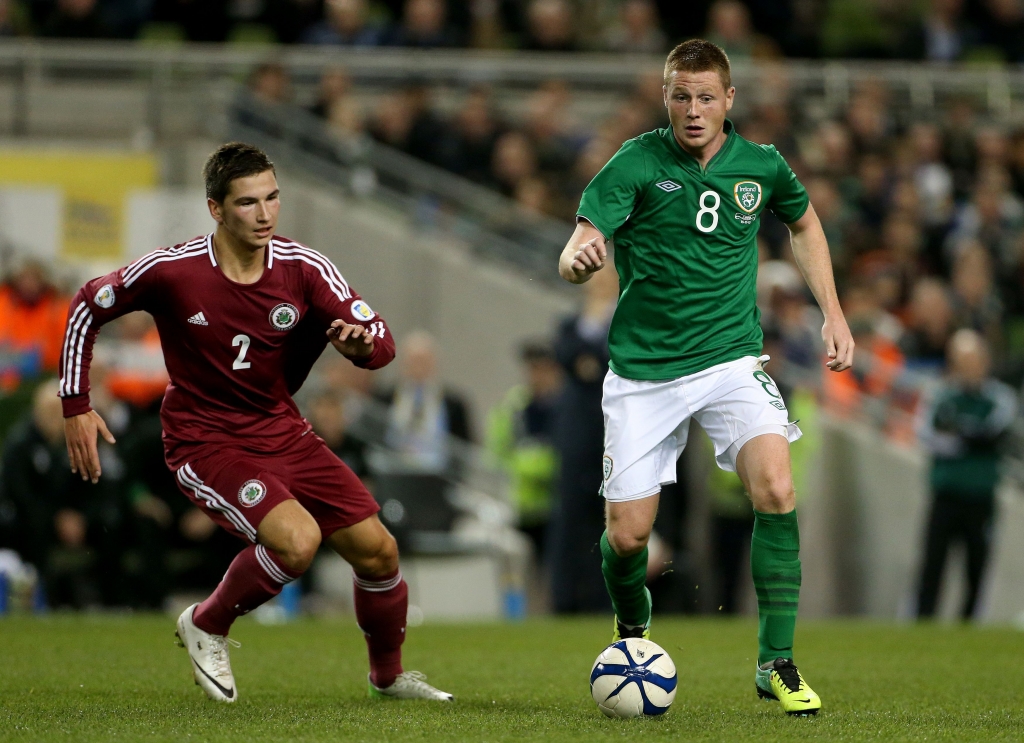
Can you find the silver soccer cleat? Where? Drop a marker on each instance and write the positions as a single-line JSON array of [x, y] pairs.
[[411, 685], [211, 666]]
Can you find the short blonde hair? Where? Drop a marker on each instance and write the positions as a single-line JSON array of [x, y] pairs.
[[699, 55]]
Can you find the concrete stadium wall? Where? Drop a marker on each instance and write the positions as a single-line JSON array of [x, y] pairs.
[[862, 533]]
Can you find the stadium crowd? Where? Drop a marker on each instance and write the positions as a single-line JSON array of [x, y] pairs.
[[940, 30]]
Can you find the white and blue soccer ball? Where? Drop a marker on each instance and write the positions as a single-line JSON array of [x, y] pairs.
[[633, 678]]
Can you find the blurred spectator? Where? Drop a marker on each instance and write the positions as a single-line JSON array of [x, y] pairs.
[[514, 160], [131, 349], [335, 85], [550, 26], [424, 24], [577, 521], [344, 24], [69, 529], [729, 26], [963, 430], [423, 414], [520, 431], [877, 368], [327, 416], [637, 31], [32, 319], [271, 84], [975, 303], [406, 120], [76, 19], [477, 131], [929, 326], [994, 217], [941, 35]]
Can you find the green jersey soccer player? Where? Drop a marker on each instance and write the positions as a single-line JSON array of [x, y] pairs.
[[683, 206]]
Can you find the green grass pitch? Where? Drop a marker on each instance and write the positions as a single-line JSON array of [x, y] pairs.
[[99, 678]]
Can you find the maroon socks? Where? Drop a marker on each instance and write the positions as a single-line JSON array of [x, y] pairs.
[[254, 577], [381, 607]]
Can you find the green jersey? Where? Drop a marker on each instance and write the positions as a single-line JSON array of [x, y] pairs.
[[686, 249]]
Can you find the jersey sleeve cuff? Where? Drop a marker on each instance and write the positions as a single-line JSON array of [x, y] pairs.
[[75, 405], [368, 362], [600, 228]]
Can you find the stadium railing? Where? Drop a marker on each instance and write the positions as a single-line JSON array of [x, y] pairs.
[[167, 77], [432, 198]]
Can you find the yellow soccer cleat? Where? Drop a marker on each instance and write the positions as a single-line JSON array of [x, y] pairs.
[[782, 682]]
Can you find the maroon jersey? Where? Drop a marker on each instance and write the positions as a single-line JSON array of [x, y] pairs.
[[235, 353]]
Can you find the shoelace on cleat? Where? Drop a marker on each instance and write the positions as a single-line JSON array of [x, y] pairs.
[[788, 675], [219, 653]]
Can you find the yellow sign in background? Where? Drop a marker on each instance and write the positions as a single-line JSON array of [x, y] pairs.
[[95, 187]]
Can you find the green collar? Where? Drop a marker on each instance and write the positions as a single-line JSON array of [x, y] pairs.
[[688, 160]]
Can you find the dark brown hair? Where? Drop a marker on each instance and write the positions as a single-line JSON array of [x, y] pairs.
[[230, 161], [699, 55]]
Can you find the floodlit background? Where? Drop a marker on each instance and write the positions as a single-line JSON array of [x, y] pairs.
[[436, 151]]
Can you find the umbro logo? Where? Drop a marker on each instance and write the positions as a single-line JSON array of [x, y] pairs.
[[668, 186], [198, 319]]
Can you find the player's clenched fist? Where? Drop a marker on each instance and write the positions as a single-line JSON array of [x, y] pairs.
[[350, 340], [584, 254], [590, 257]]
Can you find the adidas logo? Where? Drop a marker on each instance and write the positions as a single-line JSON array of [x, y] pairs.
[[198, 319]]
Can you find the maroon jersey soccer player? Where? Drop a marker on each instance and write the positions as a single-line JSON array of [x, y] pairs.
[[243, 314]]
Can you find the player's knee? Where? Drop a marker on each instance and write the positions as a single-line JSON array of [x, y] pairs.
[[775, 493], [300, 547], [627, 542], [382, 560]]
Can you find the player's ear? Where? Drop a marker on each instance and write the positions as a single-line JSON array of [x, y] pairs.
[[729, 97], [216, 210], [664, 95]]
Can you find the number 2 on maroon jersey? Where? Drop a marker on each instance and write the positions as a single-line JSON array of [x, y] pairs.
[[240, 362]]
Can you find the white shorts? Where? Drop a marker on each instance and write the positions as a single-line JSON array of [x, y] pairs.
[[646, 423]]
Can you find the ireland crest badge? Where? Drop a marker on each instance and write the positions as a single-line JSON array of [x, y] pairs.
[[748, 195]]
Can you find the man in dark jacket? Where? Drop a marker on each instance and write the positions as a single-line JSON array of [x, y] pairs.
[[577, 520], [963, 430]]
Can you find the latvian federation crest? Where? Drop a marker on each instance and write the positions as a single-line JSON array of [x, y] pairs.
[[251, 493], [748, 195], [284, 316]]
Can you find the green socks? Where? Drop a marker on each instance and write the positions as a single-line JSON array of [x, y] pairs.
[[626, 580], [775, 566]]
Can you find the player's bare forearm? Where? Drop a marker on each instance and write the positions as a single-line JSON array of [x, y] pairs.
[[352, 341], [810, 249], [80, 435], [583, 255]]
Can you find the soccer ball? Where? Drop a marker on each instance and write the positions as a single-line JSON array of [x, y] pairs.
[[633, 677]]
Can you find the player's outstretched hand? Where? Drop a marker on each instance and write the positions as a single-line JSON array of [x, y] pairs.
[[350, 340], [80, 434], [838, 343], [590, 257]]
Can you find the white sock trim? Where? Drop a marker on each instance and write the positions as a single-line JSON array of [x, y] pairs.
[[272, 569], [377, 586]]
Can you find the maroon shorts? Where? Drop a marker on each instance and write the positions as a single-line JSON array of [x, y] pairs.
[[237, 488]]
